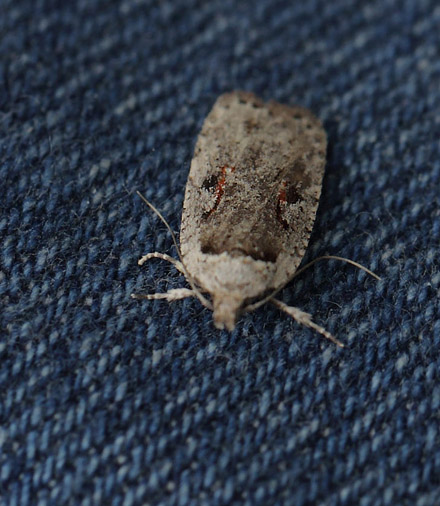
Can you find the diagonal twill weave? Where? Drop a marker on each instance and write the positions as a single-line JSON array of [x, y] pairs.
[[106, 400]]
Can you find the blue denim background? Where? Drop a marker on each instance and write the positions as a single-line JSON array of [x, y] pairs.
[[107, 400]]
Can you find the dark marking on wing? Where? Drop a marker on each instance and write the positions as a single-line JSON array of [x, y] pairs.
[[215, 184], [288, 194], [210, 183], [262, 250]]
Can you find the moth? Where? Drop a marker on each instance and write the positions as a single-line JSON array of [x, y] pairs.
[[250, 204]]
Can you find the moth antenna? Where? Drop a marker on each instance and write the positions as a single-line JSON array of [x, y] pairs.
[[190, 280], [342, 259], [255, 305]]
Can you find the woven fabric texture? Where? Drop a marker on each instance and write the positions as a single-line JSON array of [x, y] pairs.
[[109, 400]]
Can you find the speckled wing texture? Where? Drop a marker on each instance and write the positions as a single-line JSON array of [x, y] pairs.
[[252, 194]]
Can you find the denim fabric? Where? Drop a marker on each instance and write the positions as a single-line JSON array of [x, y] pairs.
[[108, 400]]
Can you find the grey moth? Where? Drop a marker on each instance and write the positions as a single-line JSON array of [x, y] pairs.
[[250, 203]]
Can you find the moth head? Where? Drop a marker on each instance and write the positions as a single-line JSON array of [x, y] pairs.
[[226, 310]]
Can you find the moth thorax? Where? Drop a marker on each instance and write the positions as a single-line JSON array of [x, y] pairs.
[[226, 309]]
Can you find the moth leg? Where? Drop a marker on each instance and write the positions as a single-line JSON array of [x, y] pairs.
[[173, 294], [305, 319], [163, 256]]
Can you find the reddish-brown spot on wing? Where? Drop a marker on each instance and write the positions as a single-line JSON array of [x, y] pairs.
[[216, 185], [288, 194]]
